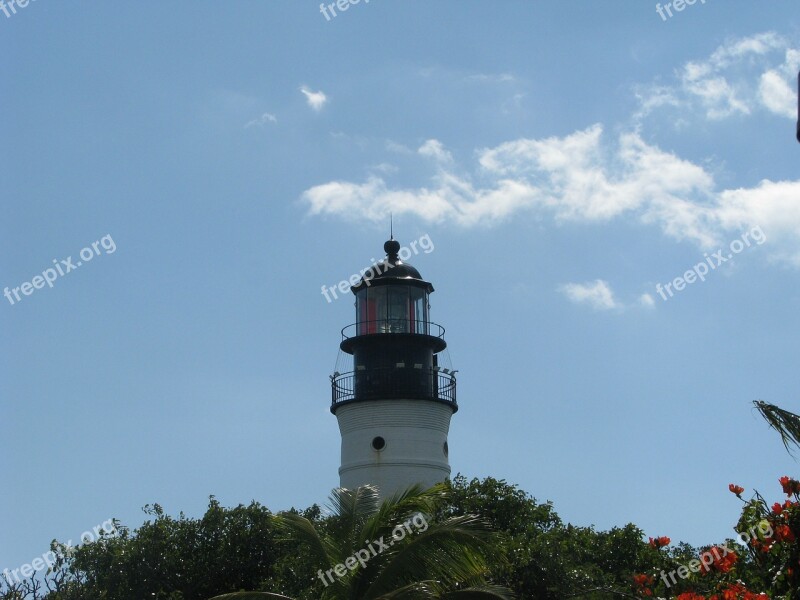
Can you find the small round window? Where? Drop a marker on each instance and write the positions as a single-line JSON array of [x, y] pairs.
[[378, 443], [446, 449]]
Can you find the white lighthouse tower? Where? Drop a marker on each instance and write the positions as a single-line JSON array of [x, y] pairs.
[[394, 408]]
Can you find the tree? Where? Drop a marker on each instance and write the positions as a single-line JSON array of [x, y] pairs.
[[172, 559], [546, 558], [392, 550], [766, 559], [787, 424]]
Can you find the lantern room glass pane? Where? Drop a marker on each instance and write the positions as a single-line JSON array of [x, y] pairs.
[[371, 310], [418, 305], [377, 309], [392, 309], [361, 312], [397, 317]]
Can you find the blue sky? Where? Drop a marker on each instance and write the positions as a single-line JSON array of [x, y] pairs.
[[564, 159]]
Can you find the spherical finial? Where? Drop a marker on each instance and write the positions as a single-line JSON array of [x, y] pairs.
[[392, 247]]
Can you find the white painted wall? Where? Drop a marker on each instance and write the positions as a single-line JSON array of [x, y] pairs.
[[415, 432]]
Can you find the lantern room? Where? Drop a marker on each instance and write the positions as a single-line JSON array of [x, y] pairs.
[[401, 307], [393, 342]]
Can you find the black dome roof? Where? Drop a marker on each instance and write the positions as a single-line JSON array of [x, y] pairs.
[[392, 270]]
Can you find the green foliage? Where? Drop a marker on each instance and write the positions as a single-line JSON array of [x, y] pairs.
[[515, 542], [786, 423], [252, 596], [371, 550], [231, 550], [183, 559], [547, 559], [174, 559]]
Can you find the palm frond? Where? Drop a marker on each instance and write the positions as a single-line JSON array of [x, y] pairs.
[[417, 493], [488, 592], [251, 596], [350, 504], [401, 506], [303, 530], [351, 509], [449, 552], [786, 423], [419, 590]]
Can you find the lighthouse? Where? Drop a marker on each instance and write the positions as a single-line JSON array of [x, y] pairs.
[[394, 406]]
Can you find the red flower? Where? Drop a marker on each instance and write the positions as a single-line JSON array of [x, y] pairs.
[[659, 542], [719, 559], [726, 563], [690, 596], [790, 486], [736, 489], [642, 584], [784, 533], [736, 591], [733, 592], [777, 508]]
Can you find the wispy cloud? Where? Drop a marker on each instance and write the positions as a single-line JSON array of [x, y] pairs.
[[587, 176], [739, 77], [597, 294], [435, 149], [392, 146], [262, 120], [647, 301], [384, 168], [581, 177], [316, 100], [776, 95], [490, 78], [574, 178]]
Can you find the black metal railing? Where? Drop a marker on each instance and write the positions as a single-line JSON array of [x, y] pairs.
[[384, 326], [395, 383]]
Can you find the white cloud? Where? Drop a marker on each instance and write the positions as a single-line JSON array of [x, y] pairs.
[[262, 120], [772, 206], [777, 86], [716, 95], [588, 176], [385, 168], [738, 49], [776, 95], [596, 294], [651, 98], [392, 146], [739, 77], [574, 178], [647, 301], [578, 178], [316, 100], [490, 78], [792, 63], [434, 149], [513, 103]]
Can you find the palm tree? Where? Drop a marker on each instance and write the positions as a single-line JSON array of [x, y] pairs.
[[786, 423], [373, 550]]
